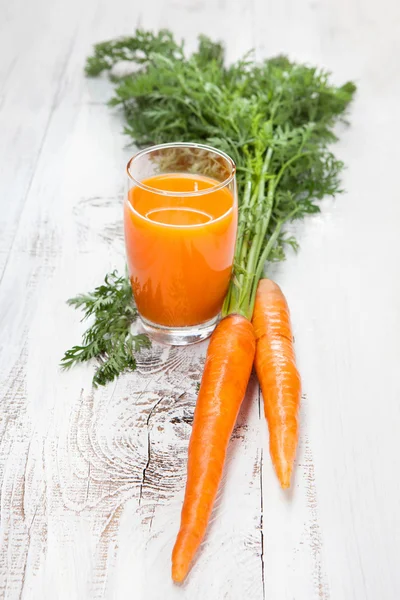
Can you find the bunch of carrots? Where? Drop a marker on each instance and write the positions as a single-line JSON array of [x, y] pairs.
[[262, 336], [275, 119]]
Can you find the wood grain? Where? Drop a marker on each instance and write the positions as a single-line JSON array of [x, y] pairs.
[[92, 480]]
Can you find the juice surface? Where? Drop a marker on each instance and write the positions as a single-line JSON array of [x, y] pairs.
[[180, 249]]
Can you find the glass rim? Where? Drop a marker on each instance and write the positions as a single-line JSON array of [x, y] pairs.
[[219, 186]]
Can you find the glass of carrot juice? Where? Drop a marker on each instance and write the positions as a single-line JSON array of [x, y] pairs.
[[180, 220]]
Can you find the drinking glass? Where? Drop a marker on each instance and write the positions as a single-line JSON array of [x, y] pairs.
[[180, 221]]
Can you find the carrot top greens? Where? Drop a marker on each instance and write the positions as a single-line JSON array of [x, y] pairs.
[[275, 118], [109, 338]]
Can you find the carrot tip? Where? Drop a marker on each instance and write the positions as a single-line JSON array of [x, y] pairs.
[[284, 478], [179, 573]]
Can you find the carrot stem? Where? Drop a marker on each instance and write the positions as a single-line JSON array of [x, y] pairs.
[[252, 250], [261, 263]]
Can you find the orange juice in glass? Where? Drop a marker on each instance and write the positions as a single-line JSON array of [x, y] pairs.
[[180, 220]]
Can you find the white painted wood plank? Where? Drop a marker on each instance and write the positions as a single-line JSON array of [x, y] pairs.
[[344, 297], [31, 69]]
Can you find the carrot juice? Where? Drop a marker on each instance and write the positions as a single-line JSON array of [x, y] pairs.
[[180, 247]]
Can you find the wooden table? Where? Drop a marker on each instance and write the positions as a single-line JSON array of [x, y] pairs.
[[92, 481]]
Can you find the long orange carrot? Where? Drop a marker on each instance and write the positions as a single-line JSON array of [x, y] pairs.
[[278, 376], [226, 374]]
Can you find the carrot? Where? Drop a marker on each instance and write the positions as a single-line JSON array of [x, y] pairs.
[[226, 374], [278, 376]]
